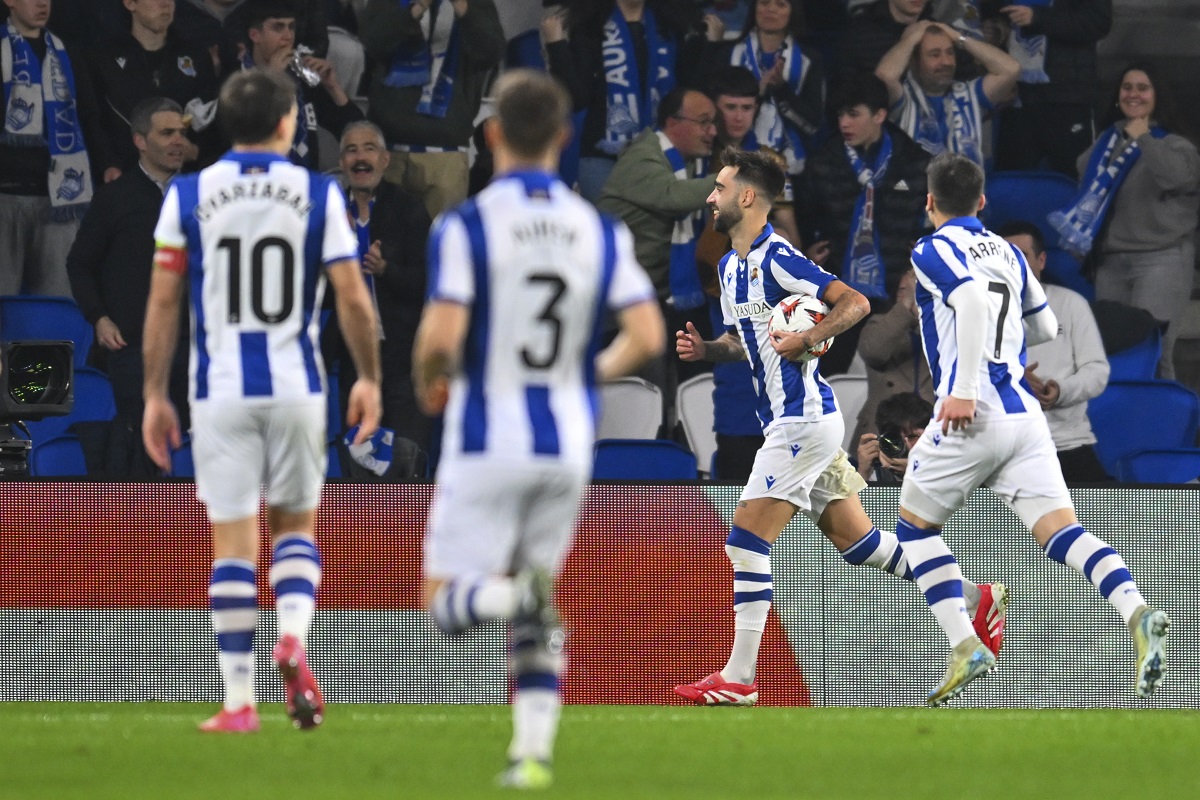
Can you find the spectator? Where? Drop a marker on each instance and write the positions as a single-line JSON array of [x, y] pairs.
[[900, 420], [659, 188], [212, 25], [891, 350], [432, 61], [618, 60], [149, 59], [50, 152], [1067, 371], [271, 30], [1137, 205], [874, 29], [392, 228], [1055, 120], [862, 200], [109, 267], [937, 111], [791, 81]]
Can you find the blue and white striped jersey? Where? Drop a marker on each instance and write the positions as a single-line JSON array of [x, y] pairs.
[[258, 232], [963, 250], [787, 390], [538, 267]]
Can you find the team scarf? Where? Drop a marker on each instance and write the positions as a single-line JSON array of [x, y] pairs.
[[363, 231], [632, 97], [769, 126], [1079, 223], [54, 125], [432, 65], [684, 279], [305, 118], [1029, 50], [862, 266], [375, 454], [963, 124]]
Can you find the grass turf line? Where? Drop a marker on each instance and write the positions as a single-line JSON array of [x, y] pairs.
[[151, 750]]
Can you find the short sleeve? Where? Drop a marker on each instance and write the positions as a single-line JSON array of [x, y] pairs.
[[795, 273], [451, 275], [340, 242], [630, 284], [169, 230], [727, 315]]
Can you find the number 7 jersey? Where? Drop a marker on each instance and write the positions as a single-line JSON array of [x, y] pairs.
[[258, 232]]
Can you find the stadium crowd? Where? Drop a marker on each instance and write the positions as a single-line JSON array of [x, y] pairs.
[[855, 98]]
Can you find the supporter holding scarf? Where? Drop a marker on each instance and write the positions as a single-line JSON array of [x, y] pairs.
[[862, 265], [430, 66], [686, 291], [632, 97]]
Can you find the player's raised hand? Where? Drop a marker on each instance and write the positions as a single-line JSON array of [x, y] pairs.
[[689, 344], [956, 413], [160, 431], [363, 408]]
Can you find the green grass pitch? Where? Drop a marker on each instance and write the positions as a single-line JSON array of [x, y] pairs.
[[151, 750]]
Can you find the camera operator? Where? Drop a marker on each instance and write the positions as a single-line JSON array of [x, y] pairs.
[[900, 420]]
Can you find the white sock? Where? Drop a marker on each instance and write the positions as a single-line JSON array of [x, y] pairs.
[[535, 723], [752, 592]]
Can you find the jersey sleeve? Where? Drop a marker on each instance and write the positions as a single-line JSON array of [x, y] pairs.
[[630, 284], [168, 233], [340, 242], [940, 263], [451, 272], [795, 273], [727, 317]]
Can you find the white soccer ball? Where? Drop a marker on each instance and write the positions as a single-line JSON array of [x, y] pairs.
[[797, 313]]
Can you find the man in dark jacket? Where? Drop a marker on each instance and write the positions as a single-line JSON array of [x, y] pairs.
[[1055, 121], [149, 59], [874, 29], [392, 228], [862, 200], [109, 266]]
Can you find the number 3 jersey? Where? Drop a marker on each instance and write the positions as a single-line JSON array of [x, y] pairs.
[[258, 232], [539, 268], [963, 250]]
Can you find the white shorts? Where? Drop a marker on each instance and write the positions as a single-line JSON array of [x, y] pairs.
[[239, 448], [495, 519], [1015, 458], [804, 464]]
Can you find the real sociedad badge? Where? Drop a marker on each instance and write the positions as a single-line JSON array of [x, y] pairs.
[[754, 276], [186, 66], [20, 114], [72, 185]]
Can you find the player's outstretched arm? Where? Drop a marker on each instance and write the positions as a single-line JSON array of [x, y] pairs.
[[360, 329], [641, 338], [437, 352], [160, 422]]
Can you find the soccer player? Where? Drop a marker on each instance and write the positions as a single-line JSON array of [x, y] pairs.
[[254, 238], [979, 305], [520, 278], [801, 466]]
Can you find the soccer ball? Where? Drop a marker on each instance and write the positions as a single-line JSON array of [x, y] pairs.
[[797, 313]]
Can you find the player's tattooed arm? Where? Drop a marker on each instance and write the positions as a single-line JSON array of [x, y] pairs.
[[846, 308], [691, 347]]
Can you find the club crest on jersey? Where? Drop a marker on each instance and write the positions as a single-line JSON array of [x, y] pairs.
[[186, 66], [72, 185], [754, 276]]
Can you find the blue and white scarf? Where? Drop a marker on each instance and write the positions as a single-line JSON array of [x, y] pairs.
[[42, 113], [769, 126], [375, 454], [963, 119], [1079, 223], [862, 265], [684, 278], [431, 66], [1030, 49], [306, 118], [633, 98], [362, 230]]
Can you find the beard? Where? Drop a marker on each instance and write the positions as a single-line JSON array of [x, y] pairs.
[[726, 219]]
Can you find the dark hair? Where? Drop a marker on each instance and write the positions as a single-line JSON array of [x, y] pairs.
[[899, 410], [259, 11], [758, 169], [141, 120], [675, 17], [732, 81], [252, 103], [671, 104], [956, 183], [1166, 108], [795, 24], [863, 89], [533, 108], [1019, 227]]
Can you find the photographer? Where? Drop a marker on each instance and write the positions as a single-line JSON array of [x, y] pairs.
[[900, 420]]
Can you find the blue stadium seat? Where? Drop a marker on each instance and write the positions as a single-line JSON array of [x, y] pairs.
[[643, 460], [93, 403], [60, 456], [182, 465], [1137, 363], [1028, 196], [1181, 465], [1062, 269], [35, 317], [1129, 416]]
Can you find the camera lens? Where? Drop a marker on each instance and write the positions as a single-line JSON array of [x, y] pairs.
[[892, 445]]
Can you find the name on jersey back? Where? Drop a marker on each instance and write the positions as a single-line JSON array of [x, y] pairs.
[[252, 190]]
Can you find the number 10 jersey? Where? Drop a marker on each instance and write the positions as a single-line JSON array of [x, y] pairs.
[[258, 232]]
